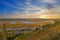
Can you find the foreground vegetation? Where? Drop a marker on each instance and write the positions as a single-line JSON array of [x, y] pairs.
[[46, 31]]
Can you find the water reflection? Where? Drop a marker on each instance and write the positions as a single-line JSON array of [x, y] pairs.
[[20, 29]]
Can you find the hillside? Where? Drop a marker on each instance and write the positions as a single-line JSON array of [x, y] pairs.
[[47, 34]]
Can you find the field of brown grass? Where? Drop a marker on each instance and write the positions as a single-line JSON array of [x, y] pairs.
[[44, 30]]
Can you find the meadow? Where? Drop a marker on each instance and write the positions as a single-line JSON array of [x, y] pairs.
[[30, 30]]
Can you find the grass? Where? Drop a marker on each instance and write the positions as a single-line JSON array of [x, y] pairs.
[[48, 32]]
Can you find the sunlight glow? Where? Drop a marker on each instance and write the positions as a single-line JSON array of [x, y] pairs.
[[49, 16], [43, 16]]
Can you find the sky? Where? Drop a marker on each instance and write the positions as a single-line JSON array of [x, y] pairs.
[[28, 8]]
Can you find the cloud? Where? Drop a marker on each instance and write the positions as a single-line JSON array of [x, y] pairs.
[[49, 1], [28, 2], [28, 13], [54, 12], [29, 10], [18, 3], [32, 11]]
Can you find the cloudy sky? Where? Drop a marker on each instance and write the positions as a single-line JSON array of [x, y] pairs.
[[29, 8]]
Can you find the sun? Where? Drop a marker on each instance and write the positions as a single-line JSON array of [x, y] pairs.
[[43, 16]]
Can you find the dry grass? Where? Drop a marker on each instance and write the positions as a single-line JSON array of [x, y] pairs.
[[49, 32]]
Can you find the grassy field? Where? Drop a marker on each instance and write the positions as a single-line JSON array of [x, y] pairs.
[[43, 30]]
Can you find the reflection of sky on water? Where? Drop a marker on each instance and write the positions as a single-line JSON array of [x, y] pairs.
[[29, 22], [26, 22], [20, 29]]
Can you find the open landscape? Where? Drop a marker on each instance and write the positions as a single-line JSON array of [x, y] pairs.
[[29, 19], [30, 29]]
